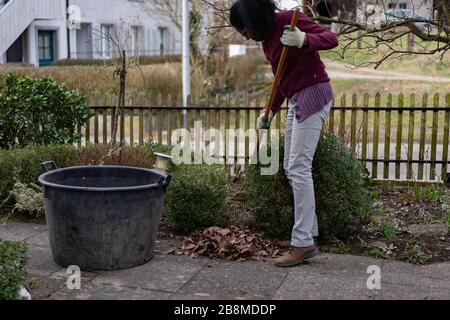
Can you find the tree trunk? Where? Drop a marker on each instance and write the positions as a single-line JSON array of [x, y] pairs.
[[121, 101], [410, 41]]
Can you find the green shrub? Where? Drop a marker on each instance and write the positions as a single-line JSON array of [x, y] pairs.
[[415, 255], [196, 197], [160, 148], [142, 60], [270, 198], [39, 111], [12, 269], [24, 164], [28, 198], [384, 229], [340, 192]]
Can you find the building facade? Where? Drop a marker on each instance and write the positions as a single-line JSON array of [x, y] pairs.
[[42, 31]]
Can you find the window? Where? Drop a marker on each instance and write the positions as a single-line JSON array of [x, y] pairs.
[[162, 40], [45, 47], [391, 5], [136, 32], [402, 6], [106, 40]]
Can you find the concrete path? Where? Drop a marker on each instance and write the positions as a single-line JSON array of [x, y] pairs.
[[179, 277]]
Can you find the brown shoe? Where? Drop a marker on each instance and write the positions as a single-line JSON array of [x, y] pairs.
[[296, 256]]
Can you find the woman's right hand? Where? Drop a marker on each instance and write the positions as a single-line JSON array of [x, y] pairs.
[[261, 124]]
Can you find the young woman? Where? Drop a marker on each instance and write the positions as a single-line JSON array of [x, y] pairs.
[[306, 85]]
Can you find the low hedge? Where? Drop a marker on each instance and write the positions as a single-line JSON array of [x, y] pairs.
[[22, 166], [12, 269], [197, 197], [340, 191], [143, 60]]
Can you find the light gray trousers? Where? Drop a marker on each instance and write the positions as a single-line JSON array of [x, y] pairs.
[[299, 148]]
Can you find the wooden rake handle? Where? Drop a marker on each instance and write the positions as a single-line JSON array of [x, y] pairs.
[[280, 68]]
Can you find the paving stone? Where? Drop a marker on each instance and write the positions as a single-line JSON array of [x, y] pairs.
[[298, 286], [427, 277], [43, 287], [163, 272], [428, 229], [403, 292], [16, 231], [40, 261], [39, 240], [92, 291], [236, 280]]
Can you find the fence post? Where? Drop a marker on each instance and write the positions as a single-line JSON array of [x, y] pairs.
[[122, 123], [353, 123], [150, 119], [237, 115], [342, 118], [105, 125], [88, 131], [96, 126], [247, 127], [141, 125], [411, 135], [132, 102], [218, 126], [365, 127], [169, 120], [208, 121], [198, 115], [398, 146], [179, 105], [387, 137], [331, 116], [376, 135], [227, 125], [160, 117], [446, 138], [423, 123], [434, 132]]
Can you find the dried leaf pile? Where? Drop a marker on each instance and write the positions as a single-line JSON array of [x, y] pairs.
[[233, 243]]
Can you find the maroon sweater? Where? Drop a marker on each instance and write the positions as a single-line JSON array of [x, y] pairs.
[[303, 68]]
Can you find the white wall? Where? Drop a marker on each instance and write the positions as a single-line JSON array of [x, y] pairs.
[[421, 7], [20, 15], [126, 14], [60, 28]]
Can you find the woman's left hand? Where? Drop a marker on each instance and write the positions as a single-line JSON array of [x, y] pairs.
[[294, 38]]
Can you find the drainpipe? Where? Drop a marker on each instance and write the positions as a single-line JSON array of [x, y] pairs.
[[186, 56], [69, 52]]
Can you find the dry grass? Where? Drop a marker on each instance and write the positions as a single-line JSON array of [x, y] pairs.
[[98, 82], [149, 80]]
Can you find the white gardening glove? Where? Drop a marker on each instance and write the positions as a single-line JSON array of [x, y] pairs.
[[294, 38], [261, 124]]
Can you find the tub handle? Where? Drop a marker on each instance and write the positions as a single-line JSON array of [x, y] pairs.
[[164, 181], [49, 166]]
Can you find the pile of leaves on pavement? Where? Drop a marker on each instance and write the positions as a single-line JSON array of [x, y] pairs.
[[233, 243]]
